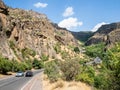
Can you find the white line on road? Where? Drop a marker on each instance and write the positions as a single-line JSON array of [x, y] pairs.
[[34, 81], [33, 84], [28, 82]]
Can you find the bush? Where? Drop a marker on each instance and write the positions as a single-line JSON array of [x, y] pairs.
[[5, 65], [64, 54], [12, 45], [19, 66], [101, 82], [26, 52], [44, 57], [28, 64], [37, 64], [57, 48], [76, 49], [52, 71], [70, 68], [87, 75], [96, 50]]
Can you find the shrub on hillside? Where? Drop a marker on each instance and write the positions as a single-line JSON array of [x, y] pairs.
[[52, 71], [64, 54], [37, 64], [96, 50], [5, 65], [76, 49], [101, 82], [86, 75], [44, 57], [57, 48], [20, 66], [70, 68], [26, 52]]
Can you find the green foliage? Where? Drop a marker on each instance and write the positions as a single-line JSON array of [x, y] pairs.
[[12, 45], [112, 62], [117, 76], [21, 66], [101, 82], [26, 52], [44, 57], [86, 75], [76, 49], [70, 68], [57, 48], [5, 65], [52, 71], [28, 64], [105, 76], [108, 76], [95, 50], [64, 54], [37, 64]]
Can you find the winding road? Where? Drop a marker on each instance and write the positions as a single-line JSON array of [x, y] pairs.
[[16, 83]]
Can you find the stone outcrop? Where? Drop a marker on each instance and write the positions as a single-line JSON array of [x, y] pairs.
[[109, 33], [28, 31]]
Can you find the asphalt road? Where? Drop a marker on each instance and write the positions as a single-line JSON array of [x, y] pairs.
[[16, 83]]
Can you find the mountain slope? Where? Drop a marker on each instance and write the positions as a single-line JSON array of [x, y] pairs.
[[109, 33], [83, 35], [28, 34]]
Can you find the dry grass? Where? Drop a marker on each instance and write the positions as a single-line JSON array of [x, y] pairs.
[[58, 84], [63, 85], [8, 74], [72, 84], [1, 75]]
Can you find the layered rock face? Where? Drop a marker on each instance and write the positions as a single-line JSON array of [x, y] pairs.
[[31, 32], [109, 33]]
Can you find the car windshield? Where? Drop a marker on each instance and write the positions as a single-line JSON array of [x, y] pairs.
[[19, 72]]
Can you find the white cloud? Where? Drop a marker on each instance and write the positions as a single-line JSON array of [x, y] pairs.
[[68, 12], [98, 26], [70, 23], [40, 5]]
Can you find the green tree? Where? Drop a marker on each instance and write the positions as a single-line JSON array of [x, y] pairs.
[[52, 71], [76, 49], [86, 75], [96, 50], [38, 64], [70, 68], [5, 65]]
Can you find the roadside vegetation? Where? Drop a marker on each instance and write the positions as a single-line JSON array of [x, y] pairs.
[[25, 62], [101, 76], [14, 66]]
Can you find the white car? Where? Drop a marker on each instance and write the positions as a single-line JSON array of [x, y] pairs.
[[20, 74]]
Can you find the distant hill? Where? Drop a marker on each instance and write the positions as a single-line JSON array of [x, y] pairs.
[[109, 33], [83, 35]]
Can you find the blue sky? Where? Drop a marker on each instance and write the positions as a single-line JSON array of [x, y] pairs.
[[75, 15]]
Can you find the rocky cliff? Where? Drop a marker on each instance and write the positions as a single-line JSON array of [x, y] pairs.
[[28, 34], [109, 33]]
